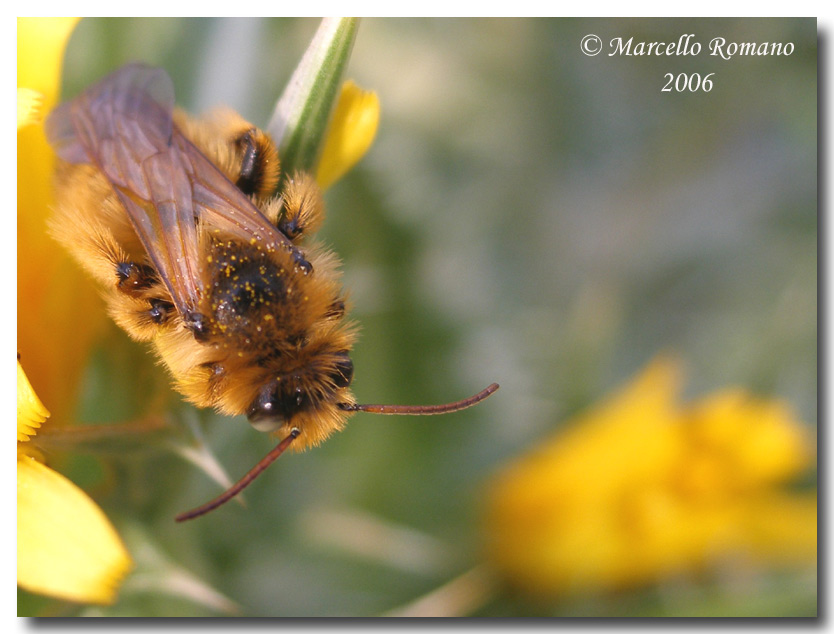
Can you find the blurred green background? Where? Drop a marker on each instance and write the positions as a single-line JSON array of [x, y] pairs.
[[527, 215]]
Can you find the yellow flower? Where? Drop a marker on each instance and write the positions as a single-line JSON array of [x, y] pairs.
[[350, 134], [66, 547], [58, 310], [641, 488]]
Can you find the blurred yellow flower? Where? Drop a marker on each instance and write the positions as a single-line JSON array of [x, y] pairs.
[[642, 488], [350, 134], [58, 313], [66, 547]]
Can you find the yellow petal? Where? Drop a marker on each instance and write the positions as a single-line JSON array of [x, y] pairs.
[[753, 441], [352, 130], [30, 411], [53, 335], [780, 528], [40, 49], [29, 104], [66, 547]]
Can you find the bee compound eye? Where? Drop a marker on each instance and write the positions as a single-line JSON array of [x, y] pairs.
[[277, 403], [266, 424], [263, 414]]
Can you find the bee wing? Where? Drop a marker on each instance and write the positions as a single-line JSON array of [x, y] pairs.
[[124, 126], [221, 206]]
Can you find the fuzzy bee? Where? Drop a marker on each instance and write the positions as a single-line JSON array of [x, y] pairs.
[[179, 221]]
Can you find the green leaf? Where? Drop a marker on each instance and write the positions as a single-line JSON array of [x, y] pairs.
[[299, 122]]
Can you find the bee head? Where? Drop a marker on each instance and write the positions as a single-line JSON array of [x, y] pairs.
[[281, 399]]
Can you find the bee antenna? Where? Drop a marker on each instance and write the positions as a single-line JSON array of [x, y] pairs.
[[421, 410], [244, 482]]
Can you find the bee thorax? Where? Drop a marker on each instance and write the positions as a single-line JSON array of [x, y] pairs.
[[254, 296]]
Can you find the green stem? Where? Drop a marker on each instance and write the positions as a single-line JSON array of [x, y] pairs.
[[301, 117]]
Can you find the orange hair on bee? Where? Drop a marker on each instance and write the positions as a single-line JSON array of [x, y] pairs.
[[304, 206]]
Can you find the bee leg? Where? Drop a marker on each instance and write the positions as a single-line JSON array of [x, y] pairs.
[[141, 318], [134, 278], [259, 164], [303, 210], [97, 250], [301, 263], [336, 310], [160, 311], [145, 302], [196, 323], [141, 281]]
